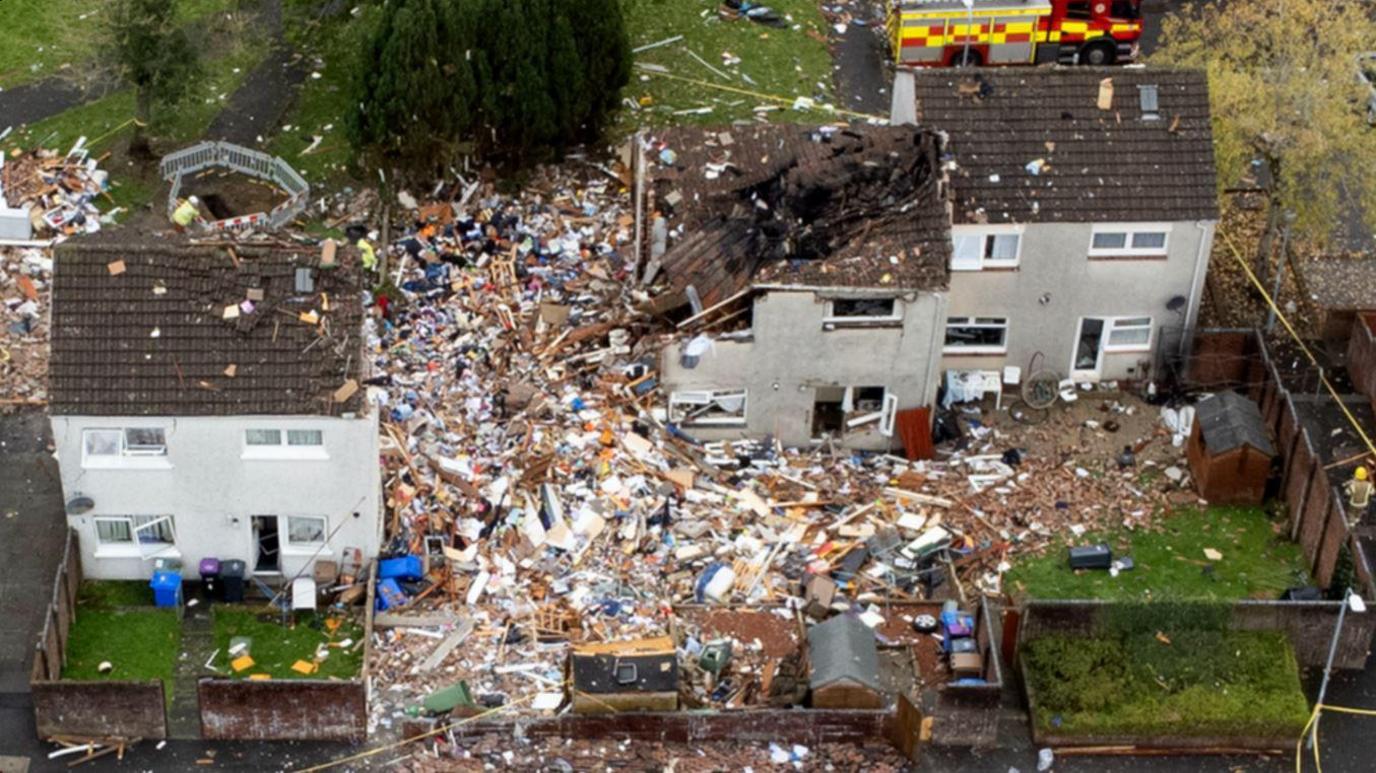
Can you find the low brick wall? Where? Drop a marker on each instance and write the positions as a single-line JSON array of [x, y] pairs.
[[128, 709], [295, 709]]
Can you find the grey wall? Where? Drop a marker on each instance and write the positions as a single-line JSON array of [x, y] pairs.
[[1055, 260], [212, 492], [790, 348]]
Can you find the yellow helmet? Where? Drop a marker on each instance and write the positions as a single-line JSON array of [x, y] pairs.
[[1360, 474]]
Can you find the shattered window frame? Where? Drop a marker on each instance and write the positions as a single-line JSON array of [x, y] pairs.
[[130, 530], [316, 524], [858, 315], [1129, 326], [978, 248], [704, 408], [118, 446], [1136, 240], [975, 324]]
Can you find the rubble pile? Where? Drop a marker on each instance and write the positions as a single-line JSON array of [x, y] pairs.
[[542, 500], [25, 286], [58, 191]]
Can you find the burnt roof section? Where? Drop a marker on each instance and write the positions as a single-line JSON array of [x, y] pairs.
[[120, 347], [802, 206], [1340, 283], [1096, 165], [1228, 420]]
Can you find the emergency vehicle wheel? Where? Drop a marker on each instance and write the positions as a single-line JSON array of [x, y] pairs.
[[1096, 54], [966, 59]]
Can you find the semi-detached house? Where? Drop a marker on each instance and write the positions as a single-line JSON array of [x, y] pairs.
[[205, 403], [1065, 226]]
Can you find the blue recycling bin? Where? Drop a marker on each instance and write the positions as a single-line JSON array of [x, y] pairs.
[[167, 589], [406, 568]]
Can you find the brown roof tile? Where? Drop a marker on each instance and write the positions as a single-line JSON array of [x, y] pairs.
[[1101, 165], [106, 359]]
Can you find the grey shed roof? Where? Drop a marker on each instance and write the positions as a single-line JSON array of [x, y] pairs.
[[842, 649], [1228, 420]]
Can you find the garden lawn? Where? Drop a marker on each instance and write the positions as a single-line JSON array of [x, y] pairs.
[[1258, 561], [789, 62], [1185, 683], [141, 644], [113, 594], [275, 648], [39, 37], [319, 108]]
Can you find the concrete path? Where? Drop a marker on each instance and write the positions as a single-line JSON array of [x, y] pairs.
[[35, 101], [257, 107], [198, 642]]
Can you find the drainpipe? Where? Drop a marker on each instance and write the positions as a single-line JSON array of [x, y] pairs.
[[1201, 261]]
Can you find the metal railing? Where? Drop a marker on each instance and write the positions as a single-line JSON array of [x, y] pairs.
[[175, 166]]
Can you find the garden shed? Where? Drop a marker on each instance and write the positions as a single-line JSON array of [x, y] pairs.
[[845, 665], [1229, 451]]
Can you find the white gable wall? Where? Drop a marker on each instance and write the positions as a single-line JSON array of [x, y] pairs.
[[212, 490]]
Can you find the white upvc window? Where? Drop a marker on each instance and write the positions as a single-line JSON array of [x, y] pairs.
[[307, 530], [1135, 240], [145, 536], [976, 335], [708, 408], [862, 406], [974, 248], [127, 447], [857, 312], [1128, 334], [277, 443]]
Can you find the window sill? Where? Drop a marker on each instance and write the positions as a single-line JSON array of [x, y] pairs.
[[285, 454], [127, 463], [715, 425], [136, 551], [974, 352], [307, 550], [986, 269], [1130, 256], [1128, 350], [837, 324]]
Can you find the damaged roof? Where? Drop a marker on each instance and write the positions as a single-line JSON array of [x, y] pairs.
[[801, 206], [141, 329], [1031, 145]]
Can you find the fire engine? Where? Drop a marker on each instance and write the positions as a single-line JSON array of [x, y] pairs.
[[950, 33]]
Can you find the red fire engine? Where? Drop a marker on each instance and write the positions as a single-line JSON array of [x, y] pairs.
[[947, 33]]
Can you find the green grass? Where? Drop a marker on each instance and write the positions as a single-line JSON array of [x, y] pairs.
[[1169, 561], [320, 106], [275, 647], [39, 38], [113, 594], [1201, 683], [140, 644], [784, 62]]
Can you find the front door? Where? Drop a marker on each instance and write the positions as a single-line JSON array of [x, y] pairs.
[[267, 545], [1087, 359]]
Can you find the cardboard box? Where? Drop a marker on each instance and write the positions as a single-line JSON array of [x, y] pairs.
[[967, 664]]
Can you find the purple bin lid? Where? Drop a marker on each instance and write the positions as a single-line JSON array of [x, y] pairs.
[[210, 566]]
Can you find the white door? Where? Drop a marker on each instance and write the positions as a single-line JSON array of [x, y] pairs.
[[1087, 355]]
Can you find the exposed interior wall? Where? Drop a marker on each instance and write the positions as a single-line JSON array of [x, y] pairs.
[[213, 492], [792, 354], [1056, 283]]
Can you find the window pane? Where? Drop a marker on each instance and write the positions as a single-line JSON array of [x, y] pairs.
[[969, 336], [862, 307], [102, 442], [263, 437], [1153, 240], [305, 437], [1130, 337], [159, 533], [1002, 247], [305, 529], [966, 247], [1110, 241], [1132, 322], [113, 530], [145, 440]]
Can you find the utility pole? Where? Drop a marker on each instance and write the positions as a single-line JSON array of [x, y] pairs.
[[1289, 218]]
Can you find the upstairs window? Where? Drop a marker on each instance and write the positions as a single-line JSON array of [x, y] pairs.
[[271, 443], [863, 311], [118, 447], [1135, 241], [985, 248]]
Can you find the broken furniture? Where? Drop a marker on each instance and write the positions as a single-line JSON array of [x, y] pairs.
[[625, 676], [844, 662], [1229, 450]]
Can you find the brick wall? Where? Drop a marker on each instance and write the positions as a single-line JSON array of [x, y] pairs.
[[305, 710]]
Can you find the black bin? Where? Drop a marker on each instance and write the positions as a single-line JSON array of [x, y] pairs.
[[1091, 557], [232, 578], [210, 578]]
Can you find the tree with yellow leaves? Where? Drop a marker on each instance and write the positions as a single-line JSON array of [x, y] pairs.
[[1284, 91]]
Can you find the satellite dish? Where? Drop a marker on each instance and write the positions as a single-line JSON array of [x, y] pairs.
[[80, 505], [1176, 304]]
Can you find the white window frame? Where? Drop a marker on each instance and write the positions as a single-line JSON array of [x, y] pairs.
[[984, 233], [135, 546], [310, 545], [833, 320], [976, 348], [1130, 232], [283, 448], [1112, 324], [701, 397], [128, 456]]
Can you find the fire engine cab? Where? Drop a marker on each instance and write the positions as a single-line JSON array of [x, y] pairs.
[[950, 33]]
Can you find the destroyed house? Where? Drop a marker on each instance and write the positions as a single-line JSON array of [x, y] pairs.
[[806, 270], [206, 403], [1084, 208]]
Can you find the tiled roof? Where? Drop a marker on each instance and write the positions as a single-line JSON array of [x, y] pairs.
[[1095, 165], [123, 346], [802, 206]]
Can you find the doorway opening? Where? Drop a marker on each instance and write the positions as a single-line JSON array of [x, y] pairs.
[[1089, 349], [828, 415], [267, 543]]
